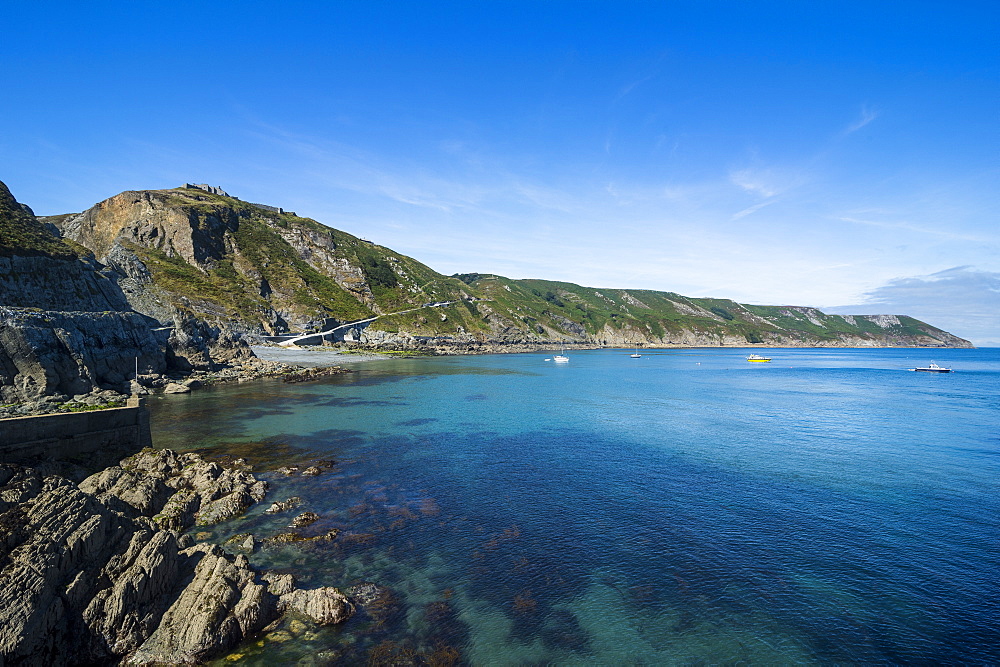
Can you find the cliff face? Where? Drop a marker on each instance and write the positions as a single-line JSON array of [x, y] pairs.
[[70, 353], [67, 327], [241, 267], [238, 264]]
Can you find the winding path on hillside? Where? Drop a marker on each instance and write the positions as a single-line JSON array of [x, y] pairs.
[[293, 341]]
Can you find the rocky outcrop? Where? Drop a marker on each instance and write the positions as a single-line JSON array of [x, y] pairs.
[[68, 328], [176, 490], [225, 602], [141, 233], [70, 353], [100, 573], [145, 218], [324, 606]]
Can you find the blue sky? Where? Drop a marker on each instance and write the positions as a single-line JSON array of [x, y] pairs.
[[826, 154]]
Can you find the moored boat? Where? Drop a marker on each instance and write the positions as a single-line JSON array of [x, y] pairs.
[[932, 368], [757, 358]]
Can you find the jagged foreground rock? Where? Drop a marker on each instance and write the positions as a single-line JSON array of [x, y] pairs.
[[100, 573]]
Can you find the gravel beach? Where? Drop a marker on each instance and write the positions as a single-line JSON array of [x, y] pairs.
[[312, 356]]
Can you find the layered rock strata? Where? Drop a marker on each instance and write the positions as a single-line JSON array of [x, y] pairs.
[[101, 573]]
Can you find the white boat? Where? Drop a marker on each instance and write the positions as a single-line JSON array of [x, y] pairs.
[[758, 359], [932, 368], [635, 355], [561, 358]]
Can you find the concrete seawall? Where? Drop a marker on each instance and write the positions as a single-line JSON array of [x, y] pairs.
[[69, 435]]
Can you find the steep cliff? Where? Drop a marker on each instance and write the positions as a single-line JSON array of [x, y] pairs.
[[67, 327], [245, 265], [241, 267]]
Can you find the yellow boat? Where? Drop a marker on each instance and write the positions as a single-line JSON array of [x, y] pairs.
[[758, 358]]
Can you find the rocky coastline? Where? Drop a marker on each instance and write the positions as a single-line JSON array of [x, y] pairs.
[[105, 572], [168, 383], [139, 295]]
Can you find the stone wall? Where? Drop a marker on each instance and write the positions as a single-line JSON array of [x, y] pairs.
[[207, 188], [69, 435]]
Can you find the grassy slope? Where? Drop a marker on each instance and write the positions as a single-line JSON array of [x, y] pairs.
[[258, 250], [546, 303], [662, 314], [21, 234]]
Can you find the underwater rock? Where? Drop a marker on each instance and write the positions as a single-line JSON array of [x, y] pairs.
[[284, 538], [244, 542], [309, 374], [364, 593], [305, 519], [295, 538]]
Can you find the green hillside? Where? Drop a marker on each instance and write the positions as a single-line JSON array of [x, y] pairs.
[[225, 259], [21, 234], [652, 317]]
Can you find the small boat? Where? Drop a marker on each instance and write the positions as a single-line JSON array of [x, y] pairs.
[[933, 368], [757, 358], [635, 354], [560, 358]]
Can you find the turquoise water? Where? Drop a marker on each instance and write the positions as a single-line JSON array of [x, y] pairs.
[[683, 507]]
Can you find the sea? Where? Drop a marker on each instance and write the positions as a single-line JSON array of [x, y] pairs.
[[684, 507]]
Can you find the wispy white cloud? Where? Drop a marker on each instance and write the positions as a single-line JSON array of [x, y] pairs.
[[752, 209], [866, 116], [904, 225], [463, 205], [625, 90], [768, 181], [754, 181]]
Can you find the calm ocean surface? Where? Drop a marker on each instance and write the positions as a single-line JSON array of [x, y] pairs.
[[685, 507]]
